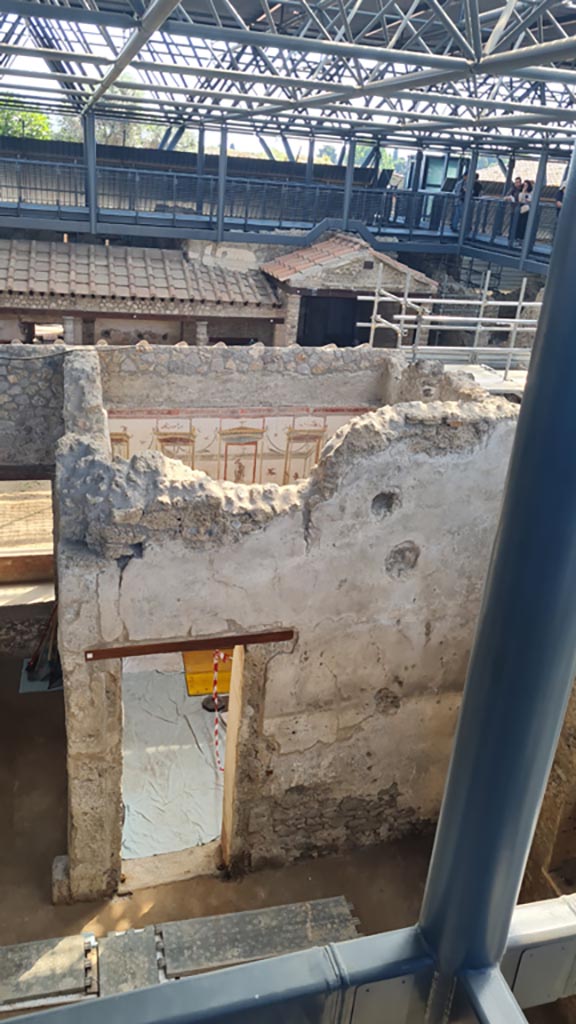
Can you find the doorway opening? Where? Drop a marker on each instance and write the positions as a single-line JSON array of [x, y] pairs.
[[327, 320], [174, 751]]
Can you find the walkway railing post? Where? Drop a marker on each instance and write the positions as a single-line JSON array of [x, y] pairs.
[[524, 655], [89, 130], [416, 171], [200, 172], [532, 225], [222, 163], [310, 161], [469, 196], [348, 182]]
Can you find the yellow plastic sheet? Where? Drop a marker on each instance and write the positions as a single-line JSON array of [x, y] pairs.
[[199, 671]]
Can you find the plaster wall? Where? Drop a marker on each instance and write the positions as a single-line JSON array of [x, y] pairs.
[[377, 562]]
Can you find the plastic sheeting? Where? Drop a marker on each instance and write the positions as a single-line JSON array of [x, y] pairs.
[[172, 788]]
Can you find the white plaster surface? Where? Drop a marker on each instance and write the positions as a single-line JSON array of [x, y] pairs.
[[172, 788]]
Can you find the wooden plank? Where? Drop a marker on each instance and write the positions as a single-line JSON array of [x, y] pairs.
[[27, 568], [35, 471], [204, 643], [208, 943]]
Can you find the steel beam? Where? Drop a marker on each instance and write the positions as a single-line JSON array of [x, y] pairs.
[[500, 26], [245, 37], [490, 998], [222, 164], [154, 17], [524, 655], [89, 131], [348, 183], [469, 196], [452, 29], [416, 171], [514, 60], [310, 161], [474, 27], [531, 226]]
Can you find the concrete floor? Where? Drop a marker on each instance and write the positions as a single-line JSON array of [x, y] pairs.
[[384, 885]]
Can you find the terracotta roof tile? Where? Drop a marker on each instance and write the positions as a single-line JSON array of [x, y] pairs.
[[315, 255], [107, 271], [329, 249]]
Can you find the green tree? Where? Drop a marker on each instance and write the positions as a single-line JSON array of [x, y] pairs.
[[327, 155], [121, 132], [386, 158], [20, 122]]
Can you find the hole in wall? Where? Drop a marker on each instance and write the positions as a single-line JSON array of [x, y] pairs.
[[402, 559], [385, 503]]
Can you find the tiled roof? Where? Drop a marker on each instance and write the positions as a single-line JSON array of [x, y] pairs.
[[121, 272], [297, 261], [331, 249], [527, 170]]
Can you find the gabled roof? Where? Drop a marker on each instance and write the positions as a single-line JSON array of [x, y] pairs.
[[336, 248], [32, 268]]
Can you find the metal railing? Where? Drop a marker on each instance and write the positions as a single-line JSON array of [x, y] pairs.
[[40, 183], [125, 194], [500, 222]]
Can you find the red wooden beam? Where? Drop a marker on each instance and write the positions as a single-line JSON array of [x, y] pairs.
[[204, 643]]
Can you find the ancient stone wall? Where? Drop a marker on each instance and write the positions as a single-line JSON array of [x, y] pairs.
[[31, 398], [377, 563], [256, 376]]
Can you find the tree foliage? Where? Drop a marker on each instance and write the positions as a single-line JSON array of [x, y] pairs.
[[20, 122]]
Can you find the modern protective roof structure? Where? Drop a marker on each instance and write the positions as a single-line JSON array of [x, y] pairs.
[[487, 73]]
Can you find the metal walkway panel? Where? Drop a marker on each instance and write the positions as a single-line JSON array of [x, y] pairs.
[[127, 961], [33, 970], [211, 942]]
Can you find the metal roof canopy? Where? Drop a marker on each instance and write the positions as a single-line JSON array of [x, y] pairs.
[[468, 73]]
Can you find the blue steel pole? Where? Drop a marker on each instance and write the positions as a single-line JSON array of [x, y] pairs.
[[222, 164], [524, 655], [348, 183], [200, 172], [89, 130], [310, 161]]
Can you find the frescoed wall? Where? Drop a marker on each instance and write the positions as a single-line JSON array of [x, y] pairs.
[[245, 446]]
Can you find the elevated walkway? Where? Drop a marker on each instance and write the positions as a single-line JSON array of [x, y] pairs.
[[46, 196]]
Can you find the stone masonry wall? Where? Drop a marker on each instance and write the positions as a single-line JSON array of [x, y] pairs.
[[376, 561], [255, 376], [31, 398]]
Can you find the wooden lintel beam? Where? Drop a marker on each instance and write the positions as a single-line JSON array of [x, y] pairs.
[[203, 643]]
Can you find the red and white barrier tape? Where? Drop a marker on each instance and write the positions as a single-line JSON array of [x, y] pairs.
[[218, 657]]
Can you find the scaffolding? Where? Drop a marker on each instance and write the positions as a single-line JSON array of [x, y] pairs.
[[418, 317]]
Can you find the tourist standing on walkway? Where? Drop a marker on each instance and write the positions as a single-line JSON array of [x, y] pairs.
[[515, 190], [524, 200], [459, 194]]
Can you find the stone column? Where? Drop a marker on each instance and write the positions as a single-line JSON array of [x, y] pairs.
[[202, 336], [72, 330], [93, 707], [287, 333], [88, 592]]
